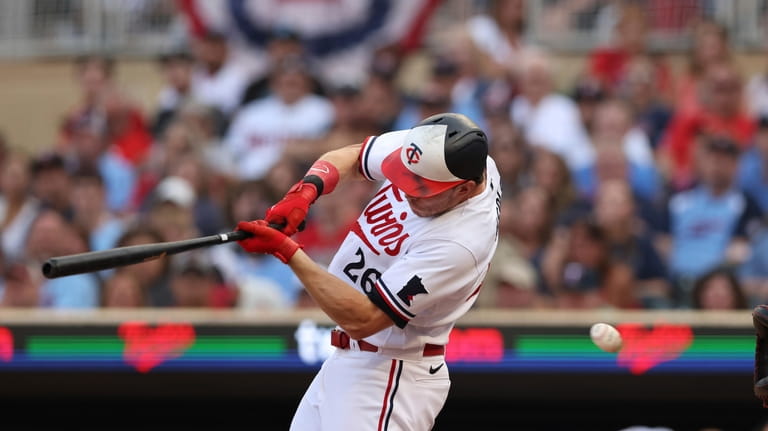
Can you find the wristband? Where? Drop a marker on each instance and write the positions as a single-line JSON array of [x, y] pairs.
[[323, 175]]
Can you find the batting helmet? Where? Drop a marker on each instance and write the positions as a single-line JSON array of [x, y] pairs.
[[438, 153]]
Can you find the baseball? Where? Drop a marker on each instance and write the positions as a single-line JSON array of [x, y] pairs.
[[606, 337]]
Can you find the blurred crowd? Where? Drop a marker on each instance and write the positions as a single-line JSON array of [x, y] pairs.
[[637, 186]]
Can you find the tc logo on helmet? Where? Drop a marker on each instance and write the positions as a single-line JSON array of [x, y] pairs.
[[413, 154]]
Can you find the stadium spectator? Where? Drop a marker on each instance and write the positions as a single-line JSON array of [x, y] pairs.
[[441, 93], [51, 183], [628, 238], [549, 171], [105, 110], [722, 113], [349, 125], [462, 66], [283, 43], [126, 129], [176, 68], [218, 79], [578, 269], [123, 290], [639, 88], [18, 208], [170, 210], [532, 219], [382, 99], [619, 147], [21, 288], [609, 64], [753, 174], [51, 235], [538, 107], [711, 47], [511, 153], [614, 125], [260, 132], [500, 35], [611, 163], [90, 213], [719, 289], [94, 75], [757, 94], [711, 223], [194, 285], [208, 216], [512, 280], [432, 98], [587, 93], [176, 141], [90, 149]]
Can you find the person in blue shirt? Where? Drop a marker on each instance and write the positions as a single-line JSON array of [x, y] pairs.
[[52, 235], [709, 224]]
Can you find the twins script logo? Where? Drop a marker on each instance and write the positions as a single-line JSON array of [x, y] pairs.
[[147, 347], [382, 223], [646, 348], [413, 154]]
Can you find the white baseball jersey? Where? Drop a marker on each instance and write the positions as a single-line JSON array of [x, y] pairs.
[[424, 272]]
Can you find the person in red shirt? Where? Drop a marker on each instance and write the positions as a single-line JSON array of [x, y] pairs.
[[722, 112], [609, 64], [709, 46], [105, 110]]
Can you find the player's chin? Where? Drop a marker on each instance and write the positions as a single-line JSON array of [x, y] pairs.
[[422, 211], [427, 212]]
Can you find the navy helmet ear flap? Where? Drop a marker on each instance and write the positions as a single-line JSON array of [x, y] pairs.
[[466, 145]]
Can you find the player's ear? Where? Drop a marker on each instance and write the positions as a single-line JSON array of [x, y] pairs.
[[466, 187]]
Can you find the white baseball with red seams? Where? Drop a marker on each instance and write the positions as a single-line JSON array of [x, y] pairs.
[[606, 337], [425, 273]]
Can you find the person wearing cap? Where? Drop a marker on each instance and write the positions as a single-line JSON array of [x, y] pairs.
[[407, 270], [709, 224], [219, 79], [176, 68]]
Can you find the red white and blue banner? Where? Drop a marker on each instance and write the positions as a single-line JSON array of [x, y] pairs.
[[333, 31]]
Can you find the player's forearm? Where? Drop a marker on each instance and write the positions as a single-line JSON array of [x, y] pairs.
[[349, 308], [345, 159]]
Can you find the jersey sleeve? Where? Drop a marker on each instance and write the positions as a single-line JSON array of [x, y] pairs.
[[431, 282], [375, 150]]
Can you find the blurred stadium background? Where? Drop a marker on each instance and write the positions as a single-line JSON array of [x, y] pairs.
[[635, 195]]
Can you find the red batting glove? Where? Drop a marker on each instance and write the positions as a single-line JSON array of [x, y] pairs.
[[291, 211], [267, 240]]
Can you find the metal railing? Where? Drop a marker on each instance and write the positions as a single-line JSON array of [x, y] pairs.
[[43, 28]]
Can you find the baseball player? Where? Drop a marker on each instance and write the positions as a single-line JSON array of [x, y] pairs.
[[408, 269]]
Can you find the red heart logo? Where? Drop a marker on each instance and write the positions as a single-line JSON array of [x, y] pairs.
[[644, 348], [6, 345], [147, 347]]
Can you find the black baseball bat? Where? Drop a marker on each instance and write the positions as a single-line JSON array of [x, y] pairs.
[[121, 256]]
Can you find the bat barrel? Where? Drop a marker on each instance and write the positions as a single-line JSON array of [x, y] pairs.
[[121, 256]]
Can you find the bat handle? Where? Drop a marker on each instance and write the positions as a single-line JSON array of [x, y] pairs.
[[241, 234]]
